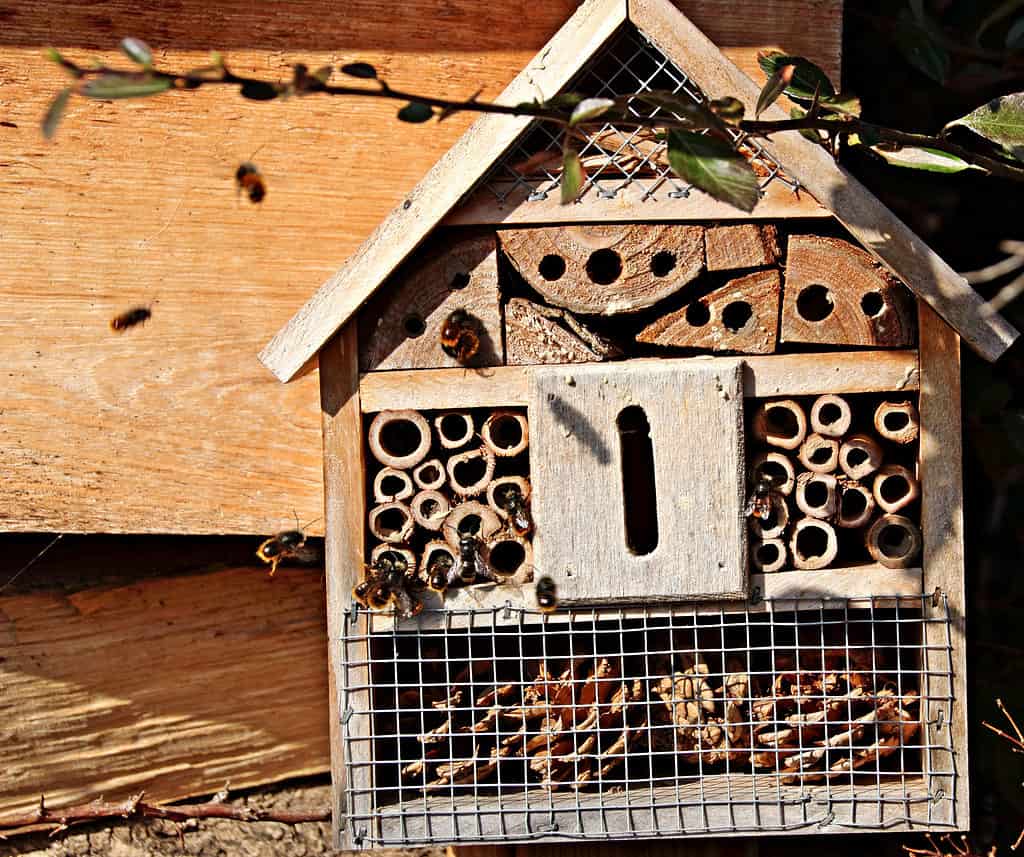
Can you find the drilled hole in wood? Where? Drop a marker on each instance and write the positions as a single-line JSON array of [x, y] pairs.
[[894, 541], [391, 521], [736, 315], [639, 498], [811, 542], [816, 494], [604, 266], [872, 303], [697, 314], [781, 422], [470, 525], [551, 267], [507, 557], [414, 326], [506, 432], [459, 281], [390, 486], [814, 303], [470, 471], [856, 457], [663, 263], [852, 505], [896, 420], [400, 437], [767, 554], [893, 488], [830, 414]]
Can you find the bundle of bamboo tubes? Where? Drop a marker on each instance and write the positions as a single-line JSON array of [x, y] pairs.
[[833, 482]]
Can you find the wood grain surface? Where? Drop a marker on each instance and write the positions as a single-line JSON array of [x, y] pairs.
[[174, 426]]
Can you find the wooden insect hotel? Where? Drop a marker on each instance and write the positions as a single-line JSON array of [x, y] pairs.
[[734, 445]]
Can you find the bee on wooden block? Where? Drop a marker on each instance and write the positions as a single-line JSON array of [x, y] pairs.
[[511, 499], [547, 594], [460, 336], [387, 579], [469, 566], [130, 318], [250, 180], [759, 505], [288, 544]]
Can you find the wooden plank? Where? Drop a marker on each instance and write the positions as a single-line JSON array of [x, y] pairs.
[[745, 847], [650, 507], [942, 525], [881, 232], [173, 685], [344, 540], [774, 375]]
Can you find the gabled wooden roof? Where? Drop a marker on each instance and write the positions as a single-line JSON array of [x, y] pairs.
[[879, 230]]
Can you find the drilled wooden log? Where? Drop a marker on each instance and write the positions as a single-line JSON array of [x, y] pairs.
[[606, 269], [781, 423], [768, 555], [472, 518], [454, 429], [897, 422], [400, 327], [392, 484], [470, 472], [778, 466], [893, 541], [860, 456], [399, 439], [819, 454], [430, 475], [505, 433], [742, 315], [814, 544], [536, 334], [402, 551], [510, 557], [856, 504], [836, 293], [816, 494], [831, 416], [745, 245], [494, 491], [429, 509], [391, 522], [894, 488], [775, 524]]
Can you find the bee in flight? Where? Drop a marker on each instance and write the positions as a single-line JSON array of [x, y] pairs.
[[250, 180], [130, 318], [288, 544], [460, 336], [511, 499], [387, 579], [547, 594], [759, 504]]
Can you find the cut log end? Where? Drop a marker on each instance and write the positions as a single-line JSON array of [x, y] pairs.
[[893, 541], [399, 439], [745, 245]]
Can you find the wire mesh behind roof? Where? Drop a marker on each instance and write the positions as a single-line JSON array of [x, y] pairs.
[[617, 158]]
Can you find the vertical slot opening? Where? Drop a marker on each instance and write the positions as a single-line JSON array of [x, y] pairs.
[[639, 497]]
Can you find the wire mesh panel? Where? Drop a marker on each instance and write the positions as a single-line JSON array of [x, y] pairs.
[[615, 158], [510, 725]]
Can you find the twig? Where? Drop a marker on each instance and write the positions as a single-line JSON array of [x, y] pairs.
[[1017, 746]]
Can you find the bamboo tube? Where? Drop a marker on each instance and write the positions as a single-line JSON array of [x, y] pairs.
[[859, 456], [391, 484], [454, 428], [399, 439], [471, 518], [819, 454], [893, 541], [856, 504], [816, 494], [404, 552], [768, 555], [494, 491], [510, 557], [814, 544], [775, 525], [391, 522], [430, 475], [779, 465], [781, 423], [429, 509], [430, 550], [505, 433], [831, 416], [895, 488], [897, 422], [470, 472]]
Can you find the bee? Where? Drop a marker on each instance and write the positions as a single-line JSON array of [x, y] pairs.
[[130, 318], [511, 499], [388, 579], [438, 570], [460, 336], [287, 544], [249, 179], [469, 565], [760, 503], [547, 594]]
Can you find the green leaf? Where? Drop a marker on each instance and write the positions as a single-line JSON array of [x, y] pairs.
[[133, 85], [416, 113], [728, 109], [807, 78], [56, 56], [573, 175], [360, 69], [1015, 35], [842, 102], [1003, 10], [137, 51], [55, 113], [590, 108], [921, 50], [715, 167], [930, 160], [1001, 120], [773, 88], [811, 134]]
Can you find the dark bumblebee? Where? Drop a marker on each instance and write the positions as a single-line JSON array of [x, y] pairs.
[[759, 505], [547, 594], [388, 579], [249, 179], [469, 565], [134, 316], [460, 336], [438, 570], [511, 499]]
